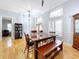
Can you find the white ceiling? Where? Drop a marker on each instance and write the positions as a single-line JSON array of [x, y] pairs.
[[19, 6]]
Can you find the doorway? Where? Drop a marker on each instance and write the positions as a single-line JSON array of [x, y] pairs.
[[6, 27]]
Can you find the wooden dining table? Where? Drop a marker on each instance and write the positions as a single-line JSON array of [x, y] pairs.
[[40, 38]]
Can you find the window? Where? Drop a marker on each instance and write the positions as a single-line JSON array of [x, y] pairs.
[[57, 13], [39, 23], [51, 26], [39, 20], [9, 26], [58, 27], [55, 23]]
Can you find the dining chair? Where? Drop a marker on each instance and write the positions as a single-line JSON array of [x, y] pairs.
[[34, 33], [29, 43]]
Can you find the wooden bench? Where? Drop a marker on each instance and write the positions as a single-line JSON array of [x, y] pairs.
[[50, 50], [49, 47]]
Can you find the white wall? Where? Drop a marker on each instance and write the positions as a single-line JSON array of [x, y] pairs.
[[16, 18], [70, 8]]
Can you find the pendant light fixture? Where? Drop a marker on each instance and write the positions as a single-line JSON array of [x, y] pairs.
[[29, 13], [42, 3]]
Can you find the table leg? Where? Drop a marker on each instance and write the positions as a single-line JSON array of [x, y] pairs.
[[35, 51]]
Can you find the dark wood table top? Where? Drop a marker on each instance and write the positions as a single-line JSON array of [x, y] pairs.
[[42, 37]]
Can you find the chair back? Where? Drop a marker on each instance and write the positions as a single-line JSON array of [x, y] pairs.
[[27, 39], [52, 33], [29, 42], [33, 33]]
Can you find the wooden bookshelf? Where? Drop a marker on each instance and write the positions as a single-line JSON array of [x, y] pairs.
[[18, 30]]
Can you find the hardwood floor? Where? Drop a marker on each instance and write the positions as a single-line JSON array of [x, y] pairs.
[[69, 52], [14, 49]]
